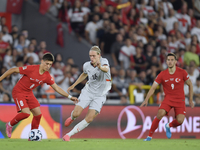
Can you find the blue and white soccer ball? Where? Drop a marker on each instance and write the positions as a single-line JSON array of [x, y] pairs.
[[35, 135]]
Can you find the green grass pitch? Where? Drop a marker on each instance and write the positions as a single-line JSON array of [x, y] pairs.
[[101, 144]]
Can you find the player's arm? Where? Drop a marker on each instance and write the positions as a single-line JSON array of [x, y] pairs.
[[103, 68], [63, 93], [149, 94], [79, 80], [9, 72], [189, 83]]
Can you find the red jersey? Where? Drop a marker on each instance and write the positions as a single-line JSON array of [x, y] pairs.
[[31, 78], [173, 84]]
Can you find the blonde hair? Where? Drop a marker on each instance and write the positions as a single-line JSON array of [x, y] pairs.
[[96, 49]]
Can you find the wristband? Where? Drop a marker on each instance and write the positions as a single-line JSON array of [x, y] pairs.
[[69, 96]]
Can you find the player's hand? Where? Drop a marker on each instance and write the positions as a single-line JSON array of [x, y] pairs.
[[144, 103], [99, 64], [191, 103], [75, 100], [69, 89]]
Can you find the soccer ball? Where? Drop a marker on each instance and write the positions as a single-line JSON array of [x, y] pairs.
[[35, 135]]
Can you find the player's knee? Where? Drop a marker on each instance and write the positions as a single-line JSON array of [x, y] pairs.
[[76, 114], [89, 119], [180, 120]]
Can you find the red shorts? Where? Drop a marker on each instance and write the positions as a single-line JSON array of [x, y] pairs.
[[179, 107], [25, 100]]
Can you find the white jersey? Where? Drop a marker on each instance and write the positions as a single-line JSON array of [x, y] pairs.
[[99, 82]]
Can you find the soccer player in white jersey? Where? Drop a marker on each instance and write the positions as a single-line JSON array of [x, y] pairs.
[[93, 94]]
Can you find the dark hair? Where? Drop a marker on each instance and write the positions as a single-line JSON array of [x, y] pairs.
[[172, 54], [48, 56]]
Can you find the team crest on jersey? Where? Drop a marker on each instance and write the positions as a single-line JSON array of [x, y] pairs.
[[25, 67], [177, 80]]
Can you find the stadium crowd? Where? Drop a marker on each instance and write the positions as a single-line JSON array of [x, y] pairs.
[[135, 35]]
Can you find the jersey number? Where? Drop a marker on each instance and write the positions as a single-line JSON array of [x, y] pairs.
[[172, 85]]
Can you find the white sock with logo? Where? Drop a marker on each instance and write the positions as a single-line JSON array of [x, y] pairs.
[[80, 126]]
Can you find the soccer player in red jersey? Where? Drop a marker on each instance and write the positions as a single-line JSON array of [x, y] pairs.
[[32, 76], [173, 80]]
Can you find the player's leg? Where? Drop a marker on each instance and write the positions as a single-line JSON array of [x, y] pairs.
[[161, 113], [74, 114], [36, 118], [83, 124], [179, 109], [23, 113], [94, 110], [84, 101]]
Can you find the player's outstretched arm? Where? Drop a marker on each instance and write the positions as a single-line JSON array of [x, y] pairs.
[[189, 83], [9, 72], [79, 80], [62, 92], [151, 91]]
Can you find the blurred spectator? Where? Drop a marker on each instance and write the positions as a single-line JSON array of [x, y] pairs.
[[6, 36], [6, 97], [8, 61], [193, 19], [25, 39], [125, 53], [75, 72], [31, 53], [120, 85], [3, 46], [108, 39], [56, 5], [14, 33], [20, 44], [102, 31], [65, 80], [138, 61], [91, 30], [56, 71], [184, 19], [70, 61], [78, 17], [170, 21], [134, 80], [192, 75], [30, 61], [6, 85], [58, 57], [191, 55], [196, 30], [196, 6], [42, 49], [115, 49]]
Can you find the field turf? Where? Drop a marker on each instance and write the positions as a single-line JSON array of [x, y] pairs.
[[101, 144]]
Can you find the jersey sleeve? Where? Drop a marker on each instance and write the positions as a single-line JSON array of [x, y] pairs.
[[49, 80], [185, 75], [104, 62], [159, 78], [25, 70], [84, 68]]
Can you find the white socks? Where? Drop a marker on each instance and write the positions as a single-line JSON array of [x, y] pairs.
[[80, 126]]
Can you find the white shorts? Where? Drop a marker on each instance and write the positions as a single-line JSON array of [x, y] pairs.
[[95, 102]]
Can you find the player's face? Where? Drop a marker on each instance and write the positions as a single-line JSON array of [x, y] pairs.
[[171, 61], [94, 57], [46, 65]]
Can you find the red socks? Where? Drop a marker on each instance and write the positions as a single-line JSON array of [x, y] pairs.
[[18, 118], [36, 121], [154, 126], [174, 123]]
